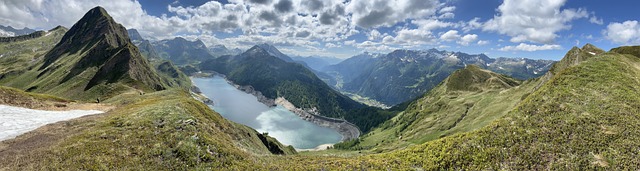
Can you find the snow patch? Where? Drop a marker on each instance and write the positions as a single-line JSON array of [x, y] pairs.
[[15, 121], [592, 53]]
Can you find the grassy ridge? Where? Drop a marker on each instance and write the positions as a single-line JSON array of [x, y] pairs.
[[467, 100], [15, 97]]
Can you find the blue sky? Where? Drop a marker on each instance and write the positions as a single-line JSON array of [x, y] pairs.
[[539, 29]]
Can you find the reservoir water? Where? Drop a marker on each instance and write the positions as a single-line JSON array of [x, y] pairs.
[[279, 122]]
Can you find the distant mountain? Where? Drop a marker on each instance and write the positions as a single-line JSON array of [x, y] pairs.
[[469, 98], [350, 69], [275, 77], [317, 62], [560, 123], [85, 67], [181, 51], [8, 31], [169, 73], [134, 35], [405, 74], [275, 52], [144, 46], [221, 50]]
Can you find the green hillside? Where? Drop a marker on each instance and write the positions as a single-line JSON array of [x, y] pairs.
[[277, 78], [468, 99], [584, 118], [85, 67]]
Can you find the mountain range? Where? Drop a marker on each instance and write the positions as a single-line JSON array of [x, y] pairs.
[[317, 62], [8, 31], [403, 75], [580, 113]]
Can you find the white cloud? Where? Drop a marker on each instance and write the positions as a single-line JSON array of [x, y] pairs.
[[374, 46], [483, 42], [595, 20], [431, 24], [533, 20], [467, 39], [472, 25], [530, 48], [447, 12], [374, 34], [331, 45], [626, 33], [447, 9], [450, 35]]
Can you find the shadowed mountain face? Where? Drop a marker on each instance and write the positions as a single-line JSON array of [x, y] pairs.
[[181, 51], [94, 58], [275, 77]]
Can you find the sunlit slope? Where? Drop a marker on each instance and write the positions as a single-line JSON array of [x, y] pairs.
[[584, 117], [468, 99]]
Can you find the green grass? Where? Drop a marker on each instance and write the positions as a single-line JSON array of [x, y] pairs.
[[469, 99], [15, 97], [585, 118], [166, 129]]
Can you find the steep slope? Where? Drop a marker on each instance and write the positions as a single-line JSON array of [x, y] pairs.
[[17, 54], [171, 75], [349, 69], [406, 74], [168, 72], [274, 78], [181, 51], [94, 59], [572, 58], [584, 118], [468, 99], [144, 46]]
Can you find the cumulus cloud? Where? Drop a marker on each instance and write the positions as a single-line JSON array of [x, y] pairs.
[[533, 20], [450, 35], [625, 33], [596, 20], [530, 47], [447, 12], [48, 14], [467, 39], [374, 34], [483, 42]]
